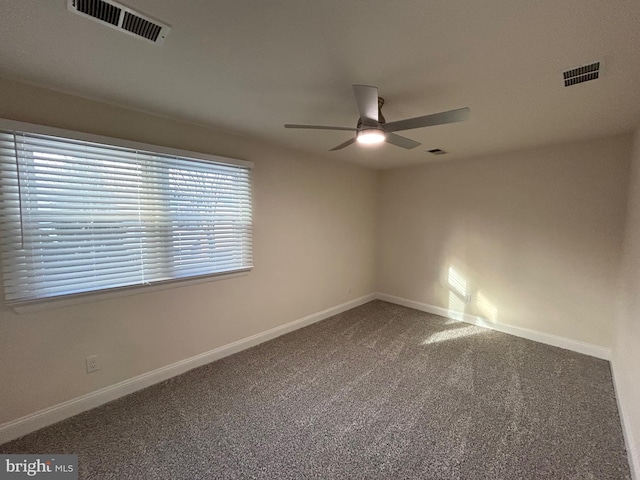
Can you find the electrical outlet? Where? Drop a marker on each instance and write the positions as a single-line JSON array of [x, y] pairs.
[[92, 364]]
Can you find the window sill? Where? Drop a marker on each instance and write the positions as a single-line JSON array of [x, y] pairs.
[[81, 298]]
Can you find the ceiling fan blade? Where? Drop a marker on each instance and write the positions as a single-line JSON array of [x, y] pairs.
[[399, 141], [441, 118], [367, 100], [345, 144], [320, 127]]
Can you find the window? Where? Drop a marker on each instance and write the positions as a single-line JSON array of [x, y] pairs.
[[80, 214]]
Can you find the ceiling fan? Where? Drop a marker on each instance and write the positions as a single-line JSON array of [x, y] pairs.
[[373, 128]]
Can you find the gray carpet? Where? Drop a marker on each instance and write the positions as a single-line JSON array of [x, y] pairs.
[[380, 391]]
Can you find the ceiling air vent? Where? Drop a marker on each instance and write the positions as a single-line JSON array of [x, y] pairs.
[[581, 74], [116, 15], [436, 151]]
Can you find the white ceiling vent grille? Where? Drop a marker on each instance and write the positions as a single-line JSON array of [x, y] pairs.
[[116, 15], [437, 151], [581, 74]]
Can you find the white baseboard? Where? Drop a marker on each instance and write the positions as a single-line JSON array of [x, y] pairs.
[[48, 416], [633, 453], [549, 339]]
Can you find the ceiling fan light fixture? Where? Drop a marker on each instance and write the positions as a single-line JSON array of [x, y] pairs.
[[370, 136]]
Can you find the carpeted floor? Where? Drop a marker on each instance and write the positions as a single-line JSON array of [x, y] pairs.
[[380, 391]]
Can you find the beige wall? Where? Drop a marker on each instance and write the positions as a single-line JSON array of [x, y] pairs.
[[314, 239], [537, 233], [626, 347]]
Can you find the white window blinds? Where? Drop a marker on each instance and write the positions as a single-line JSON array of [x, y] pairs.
[[79, 216]]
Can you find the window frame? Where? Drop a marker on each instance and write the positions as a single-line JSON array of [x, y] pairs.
[[114, 292]]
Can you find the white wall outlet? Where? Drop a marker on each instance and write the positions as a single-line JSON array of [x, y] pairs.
[[92, 364]]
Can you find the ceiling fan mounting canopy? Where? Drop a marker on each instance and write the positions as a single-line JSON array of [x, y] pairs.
[[372, 126]]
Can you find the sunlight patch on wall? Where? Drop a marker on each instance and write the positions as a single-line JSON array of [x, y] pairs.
[[457, 282], [456, 306], [488, 309]]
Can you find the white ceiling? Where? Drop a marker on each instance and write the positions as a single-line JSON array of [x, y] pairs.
[[249, 66]]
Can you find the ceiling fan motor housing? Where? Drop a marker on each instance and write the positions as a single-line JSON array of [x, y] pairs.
[[370, 134], [370, 123]]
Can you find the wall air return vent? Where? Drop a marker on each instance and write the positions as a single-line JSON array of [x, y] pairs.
[[116, 15], [581, 74]]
